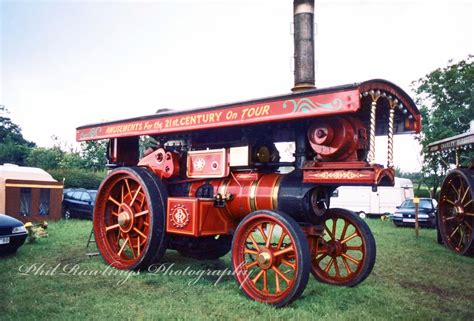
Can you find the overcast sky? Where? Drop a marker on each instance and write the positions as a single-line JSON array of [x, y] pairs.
[[70, 63]]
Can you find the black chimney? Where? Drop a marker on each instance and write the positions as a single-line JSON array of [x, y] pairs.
[[304, 44]]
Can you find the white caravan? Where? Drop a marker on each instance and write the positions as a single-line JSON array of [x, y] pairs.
[[362, 200]]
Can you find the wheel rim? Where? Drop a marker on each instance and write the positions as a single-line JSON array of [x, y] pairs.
[[456, 213], [67, 214], [266, 261], [123, 221], [340, 253]]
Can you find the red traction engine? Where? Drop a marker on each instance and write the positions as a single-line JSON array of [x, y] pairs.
[[455, 219], [215, 182]]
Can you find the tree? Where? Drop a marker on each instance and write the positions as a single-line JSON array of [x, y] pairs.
[[13, 153], [94, 154], [72, 160], [13, 147], [446, 101], [45, 158]]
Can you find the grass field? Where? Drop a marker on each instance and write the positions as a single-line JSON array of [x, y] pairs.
[[413, 279]]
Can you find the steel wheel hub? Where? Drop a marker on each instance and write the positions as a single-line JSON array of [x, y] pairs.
[[265, 259], [336, 248], [125, 218]]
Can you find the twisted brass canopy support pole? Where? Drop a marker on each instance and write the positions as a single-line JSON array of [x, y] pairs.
[[393, 104], [373, 110]]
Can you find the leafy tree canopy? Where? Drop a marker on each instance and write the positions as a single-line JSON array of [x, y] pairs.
[[14, 148], [11, 132], [446, 100]]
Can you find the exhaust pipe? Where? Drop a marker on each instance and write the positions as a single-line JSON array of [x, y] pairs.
[[303, 11]]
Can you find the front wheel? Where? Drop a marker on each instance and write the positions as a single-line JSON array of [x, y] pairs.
[[345, 255], [270, 258]]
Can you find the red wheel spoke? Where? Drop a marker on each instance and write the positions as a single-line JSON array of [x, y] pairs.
[[130, 246], [265, 282], [354, 248], [128, 187], [251, 265], [115, 213], [257, 277], [350, 258], [344, 230], [255, 244], [465, 194], [135, 196], [328, 266], [321, 257], [277, 283], [280, 274], [113, 200], [270, 235], [141, 213], [262, 232], [336, 266], [138, 246], [123, 247], [469, 226], [454, 232], [346, 264], [280, 240], [328, 231], [347, 239], [469, 214], [285, 250], [249, 251], [467, 204], [454, 188], [112, 227], [334, 223], [288, 263], [140, 232], [449, 218], [460, 241], [449, 201]]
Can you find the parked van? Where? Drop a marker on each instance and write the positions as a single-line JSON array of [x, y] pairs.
[[362, 200]]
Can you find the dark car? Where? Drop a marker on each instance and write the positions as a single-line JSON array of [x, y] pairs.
[[12, 234], [78, 203], [405, 214]]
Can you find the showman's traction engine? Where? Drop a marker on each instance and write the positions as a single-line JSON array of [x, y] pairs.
[[215, 181]]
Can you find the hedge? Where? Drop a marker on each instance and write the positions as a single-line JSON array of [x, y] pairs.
[[75, 177]]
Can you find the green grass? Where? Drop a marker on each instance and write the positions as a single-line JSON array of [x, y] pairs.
[[413, 279]]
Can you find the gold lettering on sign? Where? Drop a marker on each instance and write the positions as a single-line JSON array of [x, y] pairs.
[[125, 128], [252, 112]]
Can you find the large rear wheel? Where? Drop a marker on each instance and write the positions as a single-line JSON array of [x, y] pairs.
[[129, 218], [456, 211], [345, 255], [270, 258]]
